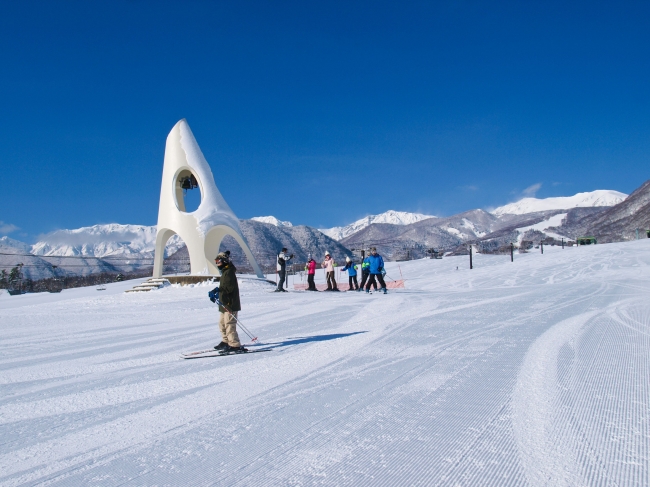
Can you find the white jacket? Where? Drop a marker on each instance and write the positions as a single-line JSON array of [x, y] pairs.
[[328, 265], [284, 256]]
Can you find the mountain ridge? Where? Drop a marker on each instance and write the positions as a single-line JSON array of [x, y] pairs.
[[599, 197], [118, 247], [391, 217]]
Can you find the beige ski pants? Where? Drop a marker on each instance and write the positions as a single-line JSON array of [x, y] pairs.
[[228, 328]]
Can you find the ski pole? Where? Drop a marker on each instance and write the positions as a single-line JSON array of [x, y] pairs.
[[237, 320]]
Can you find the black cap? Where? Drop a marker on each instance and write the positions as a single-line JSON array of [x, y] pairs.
[[284, 249]]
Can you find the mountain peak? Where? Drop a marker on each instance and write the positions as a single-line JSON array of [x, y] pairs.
[[391, 216], [272, 221], [102, 240], [11, 244], [600, 197]]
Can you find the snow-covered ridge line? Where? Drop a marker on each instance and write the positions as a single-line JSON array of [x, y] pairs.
[[102, 240], [16, 246], [600, 197], [272, 220], [390, 216]]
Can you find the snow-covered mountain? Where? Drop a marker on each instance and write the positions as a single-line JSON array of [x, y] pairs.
[[601, 197], [272, 220], [15, 246], [391, 216], [103, 240]]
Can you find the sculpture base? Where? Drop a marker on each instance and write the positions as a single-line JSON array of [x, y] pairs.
[[191, 279]]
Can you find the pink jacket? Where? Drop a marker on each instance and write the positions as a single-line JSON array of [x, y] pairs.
[[328, 265], [311, 267]]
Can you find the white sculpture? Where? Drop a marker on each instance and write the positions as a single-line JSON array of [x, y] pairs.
[[203, 229]]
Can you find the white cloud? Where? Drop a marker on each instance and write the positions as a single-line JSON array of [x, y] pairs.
[[7, 227], [531, 190]]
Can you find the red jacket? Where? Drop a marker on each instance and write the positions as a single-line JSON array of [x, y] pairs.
[[311, 267]]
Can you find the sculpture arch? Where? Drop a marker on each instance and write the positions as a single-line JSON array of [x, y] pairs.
[[203, 229]]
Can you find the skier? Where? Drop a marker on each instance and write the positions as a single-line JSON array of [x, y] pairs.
[[282, 269], [310, 267], [352, 274], [329, 264], [376, 268], [228, 294], [365, 273]]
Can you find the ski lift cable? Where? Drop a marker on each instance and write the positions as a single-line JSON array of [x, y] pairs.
[[108, 257]]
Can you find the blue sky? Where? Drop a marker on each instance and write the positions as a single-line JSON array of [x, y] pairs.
[[318, 112]]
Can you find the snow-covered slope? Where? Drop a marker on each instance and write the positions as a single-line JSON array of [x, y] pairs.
[[391, 216], [271, 220], [530, 373], [7, 243], [601, 197], [104, 240]]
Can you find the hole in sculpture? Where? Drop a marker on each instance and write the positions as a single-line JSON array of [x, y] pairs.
[[188, 191], [177, 258]]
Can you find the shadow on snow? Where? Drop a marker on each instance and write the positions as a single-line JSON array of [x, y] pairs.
[[300, 340]]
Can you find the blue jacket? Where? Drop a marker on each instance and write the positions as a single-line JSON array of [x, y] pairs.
[[376, 263], [349, 266], [365, 265]]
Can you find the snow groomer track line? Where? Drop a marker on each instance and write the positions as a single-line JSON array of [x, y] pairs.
[[528, 373]]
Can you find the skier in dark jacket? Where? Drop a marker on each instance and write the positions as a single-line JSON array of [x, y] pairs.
[[283, 258], [376, 268], [228, 295], [352, 274]]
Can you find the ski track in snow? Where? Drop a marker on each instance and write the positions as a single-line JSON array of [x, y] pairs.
[[527, 373]]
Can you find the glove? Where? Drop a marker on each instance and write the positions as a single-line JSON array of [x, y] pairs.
[[291, 256], [380, 269], [214, 295], [355, 267]]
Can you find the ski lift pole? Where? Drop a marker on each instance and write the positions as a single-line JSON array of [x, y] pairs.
[[237, 320]]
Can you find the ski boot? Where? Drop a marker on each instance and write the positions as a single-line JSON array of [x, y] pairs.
[[230, 349], [221, 346]]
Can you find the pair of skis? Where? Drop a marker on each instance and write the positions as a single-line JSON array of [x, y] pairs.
[[217, 353]]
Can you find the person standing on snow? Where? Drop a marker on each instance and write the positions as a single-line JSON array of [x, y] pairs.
[[282, 269], [228, 295], [329, 264], [376, 268], [352, 274], [310, 267], [365, 273]]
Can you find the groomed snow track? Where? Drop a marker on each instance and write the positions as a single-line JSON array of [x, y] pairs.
[[527, 373]]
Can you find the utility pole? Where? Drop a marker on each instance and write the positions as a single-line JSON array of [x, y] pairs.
[[562, 244], [541, 246], [512, 252], [470, 257], [637, 234]]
